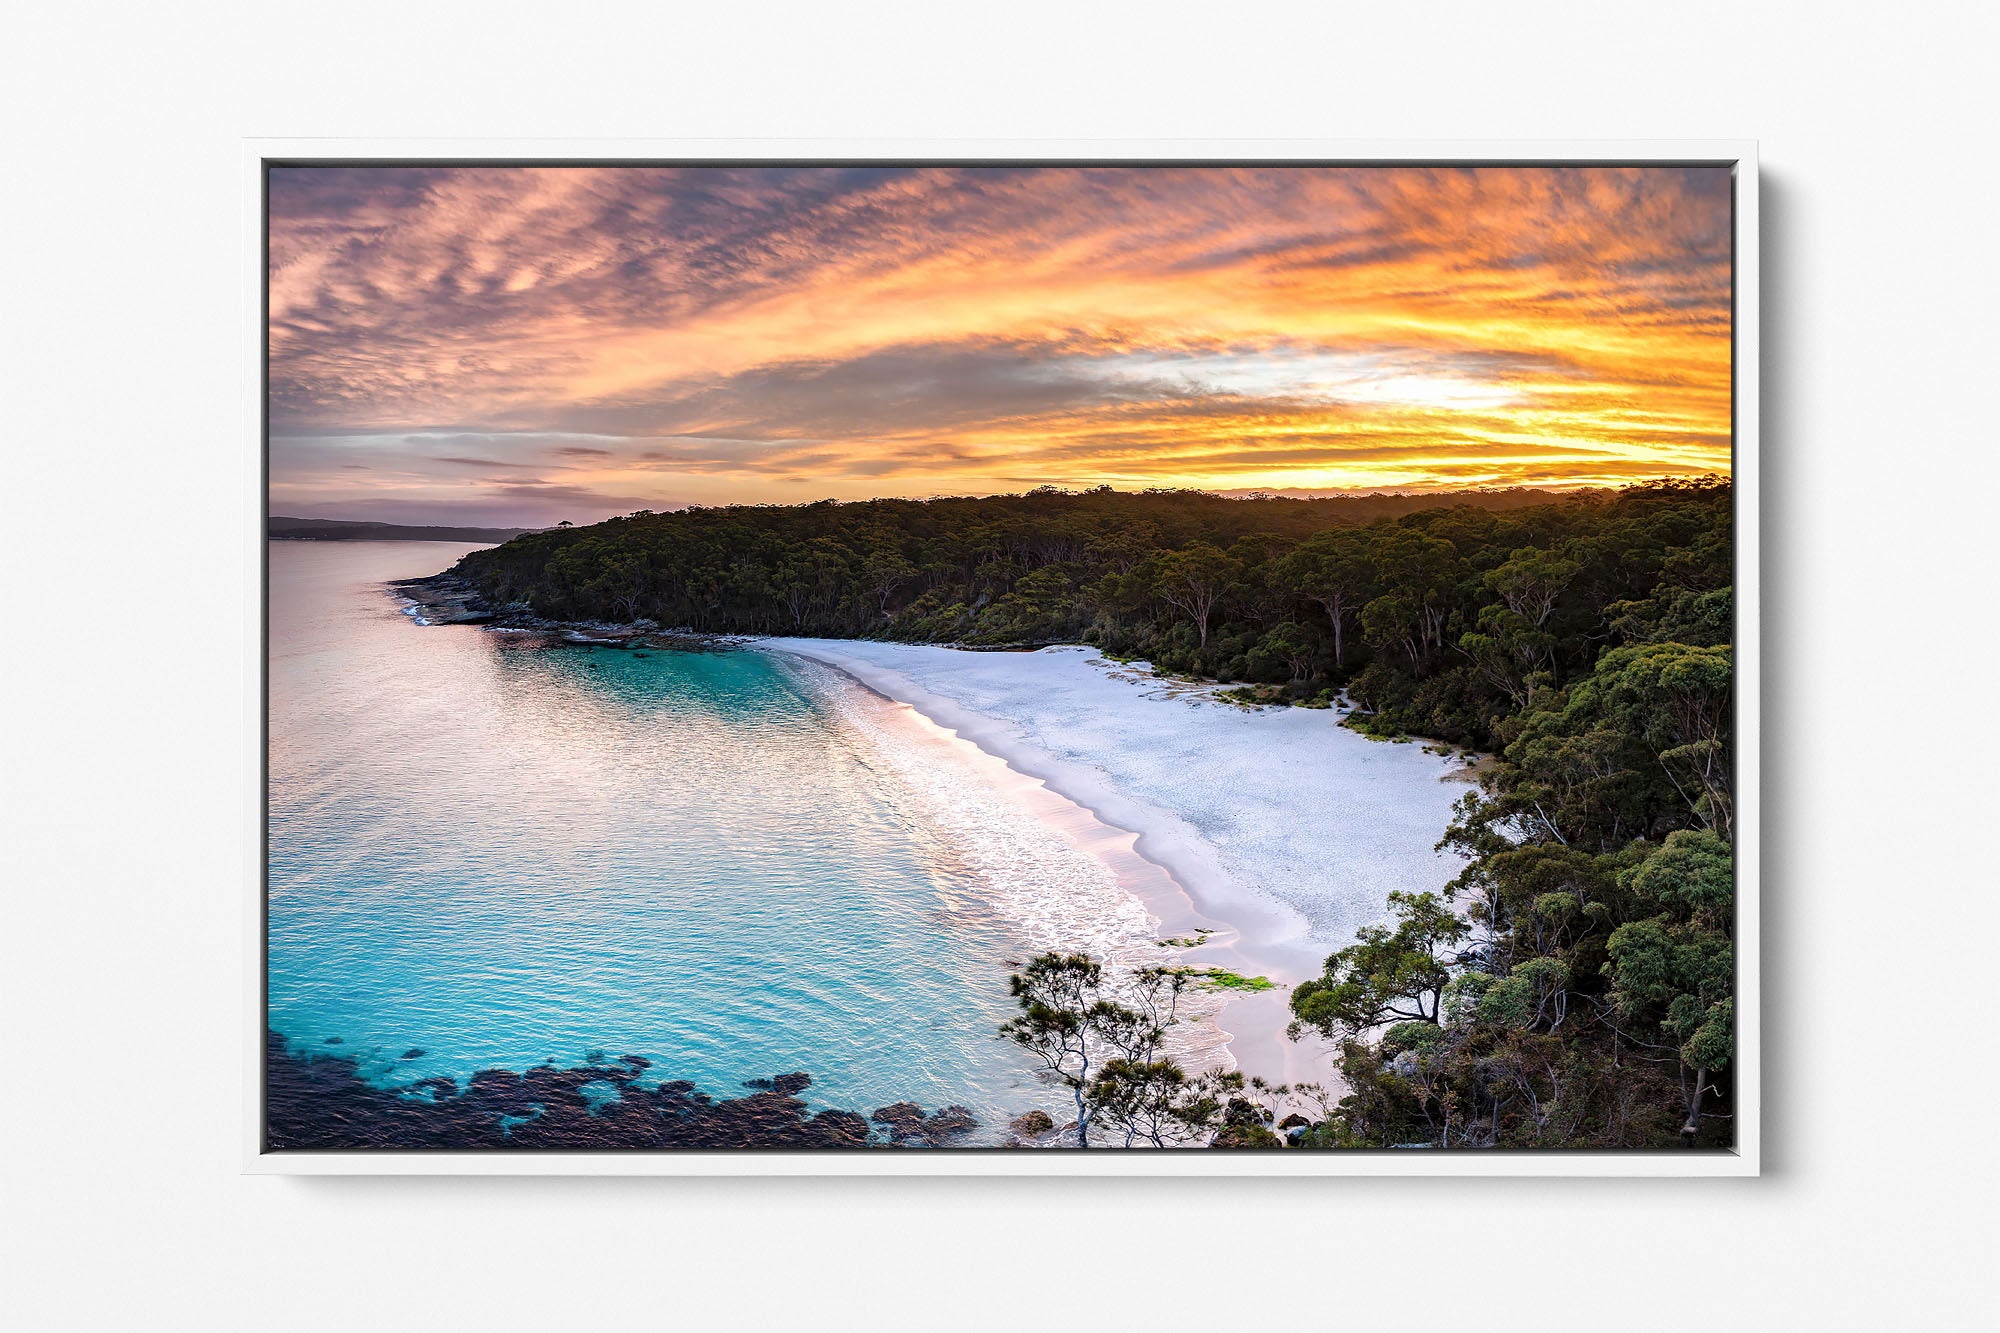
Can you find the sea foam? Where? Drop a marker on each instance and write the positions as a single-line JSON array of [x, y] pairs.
[[1020, 841]]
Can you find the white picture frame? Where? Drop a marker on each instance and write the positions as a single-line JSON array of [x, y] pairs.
[[1743, 1160]]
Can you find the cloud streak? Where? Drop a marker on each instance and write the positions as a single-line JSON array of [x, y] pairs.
[[673, 335]]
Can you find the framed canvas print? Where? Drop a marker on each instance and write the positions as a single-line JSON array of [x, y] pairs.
[[1004, 658]]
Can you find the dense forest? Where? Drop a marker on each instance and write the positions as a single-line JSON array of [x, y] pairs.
[[1439, 616], [1573, 986]]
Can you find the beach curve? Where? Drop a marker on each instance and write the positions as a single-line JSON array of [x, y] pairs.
[[1282, 831]]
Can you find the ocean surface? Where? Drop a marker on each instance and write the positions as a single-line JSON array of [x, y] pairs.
[[501, 855]]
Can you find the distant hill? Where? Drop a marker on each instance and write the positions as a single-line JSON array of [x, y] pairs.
[[342, 530]]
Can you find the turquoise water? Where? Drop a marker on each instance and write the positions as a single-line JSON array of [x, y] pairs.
[[502, 855]]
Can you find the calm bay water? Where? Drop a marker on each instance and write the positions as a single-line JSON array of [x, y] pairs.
[[503, 855]]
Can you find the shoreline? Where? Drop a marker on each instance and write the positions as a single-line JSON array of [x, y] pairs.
[[1064, 878], [1163, 860], [1177, 872]]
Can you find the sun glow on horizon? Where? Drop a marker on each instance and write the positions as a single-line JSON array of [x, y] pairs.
[[522, 345]]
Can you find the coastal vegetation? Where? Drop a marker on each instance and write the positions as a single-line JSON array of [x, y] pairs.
[[1436, 615], [1572, 987], [1223, 979], [1100, 1039]]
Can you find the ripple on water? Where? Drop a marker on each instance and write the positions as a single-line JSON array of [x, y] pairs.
[[485, 857]]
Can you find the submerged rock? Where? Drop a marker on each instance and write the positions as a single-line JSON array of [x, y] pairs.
[[319, 1101], [1033, 1124], [949, 1123], [904, 1119], [907, 1123]]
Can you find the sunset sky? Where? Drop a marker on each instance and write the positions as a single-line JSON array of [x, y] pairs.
[[519, 346]]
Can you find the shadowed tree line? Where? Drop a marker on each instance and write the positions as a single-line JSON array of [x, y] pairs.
[[1438, 615], [1574, 986]]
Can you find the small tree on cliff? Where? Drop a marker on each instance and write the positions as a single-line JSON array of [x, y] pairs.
[[1388, 976], [1106, 1052], [1068, 1024]]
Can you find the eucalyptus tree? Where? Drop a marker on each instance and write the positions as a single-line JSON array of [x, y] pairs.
[[1072, 1027], [1335, 571], [1676, 967], [1389, 975], [1194, 580], [1102, 1042]]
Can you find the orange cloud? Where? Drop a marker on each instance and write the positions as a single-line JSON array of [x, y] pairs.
[[716, 334]]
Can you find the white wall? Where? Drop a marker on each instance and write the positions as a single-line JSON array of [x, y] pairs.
[[122, 971]]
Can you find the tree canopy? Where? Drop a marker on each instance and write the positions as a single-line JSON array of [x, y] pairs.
[[1593, 1003], [1438, 615], [1572, 987]]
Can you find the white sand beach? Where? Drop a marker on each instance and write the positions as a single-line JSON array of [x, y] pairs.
[[1279, 831]]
